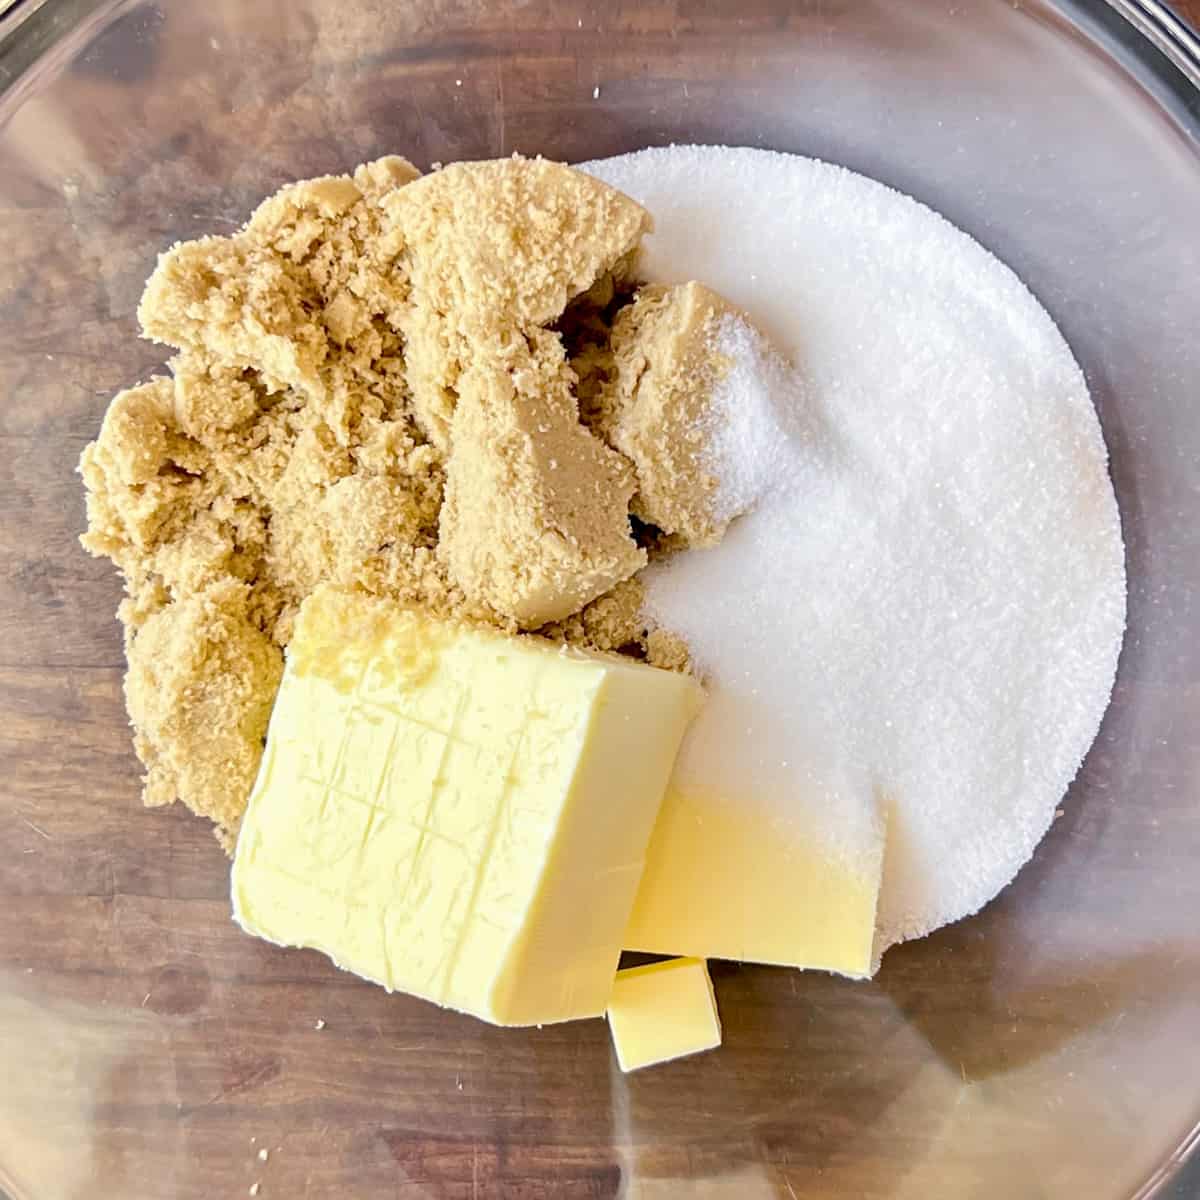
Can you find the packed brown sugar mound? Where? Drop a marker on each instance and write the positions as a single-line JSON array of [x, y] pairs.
[[536, 514], [653, 405], [373, 387]]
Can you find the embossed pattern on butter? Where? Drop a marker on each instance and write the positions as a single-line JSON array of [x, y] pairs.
[[454, 813]]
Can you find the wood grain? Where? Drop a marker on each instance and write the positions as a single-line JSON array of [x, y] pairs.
[[150, 1049]]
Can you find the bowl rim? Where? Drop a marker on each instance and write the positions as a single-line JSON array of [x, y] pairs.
[[1169, 32], [30, 28]]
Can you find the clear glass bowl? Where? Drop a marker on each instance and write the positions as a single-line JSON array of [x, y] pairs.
[[1046, 1048]]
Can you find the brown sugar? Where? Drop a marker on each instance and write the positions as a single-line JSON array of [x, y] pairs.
[[663, 368], [367, 390], [201, 681], [495, 250], [536, 516]]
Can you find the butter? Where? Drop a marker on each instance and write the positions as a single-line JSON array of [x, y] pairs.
[[663, 1011], [729, 880], [454, 813]]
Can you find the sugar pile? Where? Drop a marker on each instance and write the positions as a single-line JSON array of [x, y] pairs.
[[924, 611]]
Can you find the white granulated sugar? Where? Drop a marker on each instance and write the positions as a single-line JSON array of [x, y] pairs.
[[747, 439], [925, 609]]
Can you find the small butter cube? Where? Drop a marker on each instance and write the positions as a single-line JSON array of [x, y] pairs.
[[663, 1011], [454, 813]]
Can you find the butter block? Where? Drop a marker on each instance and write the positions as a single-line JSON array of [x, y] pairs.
[[663, 1011], [454, 813], [726, 879]]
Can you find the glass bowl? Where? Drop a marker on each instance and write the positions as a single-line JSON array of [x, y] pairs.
[[1046, 1048]]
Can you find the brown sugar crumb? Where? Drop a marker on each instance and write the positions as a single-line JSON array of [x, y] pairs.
[[201, 682], [368, 390], [616, 622], [652, 405]]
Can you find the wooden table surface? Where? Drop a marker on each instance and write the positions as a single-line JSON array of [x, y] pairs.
[[149, 1049]]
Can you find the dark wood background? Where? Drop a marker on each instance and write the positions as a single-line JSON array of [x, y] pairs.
[[150, 1050]]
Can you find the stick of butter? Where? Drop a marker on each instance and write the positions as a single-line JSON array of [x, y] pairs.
[[662, 1011], [728, 879], [455, 813]]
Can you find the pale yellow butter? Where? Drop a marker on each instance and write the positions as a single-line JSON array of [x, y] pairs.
[[663, 1011], [728, 880], [454, 813]]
